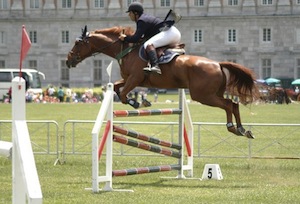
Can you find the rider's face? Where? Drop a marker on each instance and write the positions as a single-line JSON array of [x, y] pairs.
[[131, 16]]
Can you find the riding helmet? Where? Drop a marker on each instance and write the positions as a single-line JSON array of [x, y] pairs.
[[136, 7]]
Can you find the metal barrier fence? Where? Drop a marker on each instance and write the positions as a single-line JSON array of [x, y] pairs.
[[278, 141], [44, 135], [211, 139]]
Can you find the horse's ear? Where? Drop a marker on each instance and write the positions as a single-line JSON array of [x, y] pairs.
[[84, 31]]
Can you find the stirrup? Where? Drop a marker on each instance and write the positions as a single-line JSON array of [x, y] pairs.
[[152, 69]]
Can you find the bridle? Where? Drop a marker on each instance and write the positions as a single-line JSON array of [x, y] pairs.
[[85, 41]]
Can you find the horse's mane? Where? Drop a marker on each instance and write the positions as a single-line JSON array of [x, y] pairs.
[[115, 30]]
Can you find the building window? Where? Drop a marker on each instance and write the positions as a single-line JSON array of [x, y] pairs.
[[266, 66], [65, 36], [233, 2], [97, 70], [2, 64], [266, 35], [2, 37], [266, 2], [33, 36], [231, 36], [32, 64], [3, 4], [165, 3], [64, 75], [99, 3], [198, 2], [66, 4], [198, 37], [298, 68], [34, 4]]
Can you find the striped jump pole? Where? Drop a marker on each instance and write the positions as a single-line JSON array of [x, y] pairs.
[[144, 170], [144, 146], [128, 113], [146, 138]]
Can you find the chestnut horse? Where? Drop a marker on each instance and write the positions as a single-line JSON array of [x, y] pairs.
[[206, 79]]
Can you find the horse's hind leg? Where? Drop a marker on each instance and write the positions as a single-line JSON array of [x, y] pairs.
[[225, 104], [240, 129], [229, 107]]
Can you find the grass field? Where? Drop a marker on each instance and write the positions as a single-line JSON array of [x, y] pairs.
[[245, 180]]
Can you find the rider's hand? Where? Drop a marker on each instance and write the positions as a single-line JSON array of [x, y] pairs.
[[122, 36]]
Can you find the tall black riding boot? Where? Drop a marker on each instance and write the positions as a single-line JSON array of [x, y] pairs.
[[151, 52]]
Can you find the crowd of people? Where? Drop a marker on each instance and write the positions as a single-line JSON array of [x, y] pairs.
[[61, 95], [67, 95]]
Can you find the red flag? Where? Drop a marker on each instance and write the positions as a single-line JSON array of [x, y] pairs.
[[25, 46]]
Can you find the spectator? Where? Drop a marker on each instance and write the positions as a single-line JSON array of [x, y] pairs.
[[69, 95], [296, 90], [60, 94], [51, 91], [155, 97], [9, 94]]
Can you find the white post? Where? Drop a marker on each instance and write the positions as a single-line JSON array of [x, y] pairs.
[[18, 113], [190, 133], [25, 181], [109, 142], [105, 110], [180, 134]]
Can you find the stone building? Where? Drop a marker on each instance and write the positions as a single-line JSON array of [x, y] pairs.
[[263, 35]]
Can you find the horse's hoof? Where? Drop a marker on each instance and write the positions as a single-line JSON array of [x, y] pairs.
[[249, 134], [133, 103], [146, 103], [232, 130], [241, 131]]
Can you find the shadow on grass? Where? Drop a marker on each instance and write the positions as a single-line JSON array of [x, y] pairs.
[[180, 183]]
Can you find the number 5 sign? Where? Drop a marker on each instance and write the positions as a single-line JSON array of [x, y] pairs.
[[212, 171]]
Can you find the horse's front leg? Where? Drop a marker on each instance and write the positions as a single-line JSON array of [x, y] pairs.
[[117, 85], [127, 87], [123, 95]]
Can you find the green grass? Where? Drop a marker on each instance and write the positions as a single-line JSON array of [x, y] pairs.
[[245, 180]]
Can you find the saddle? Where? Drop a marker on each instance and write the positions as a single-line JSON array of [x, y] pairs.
[[165, 54]]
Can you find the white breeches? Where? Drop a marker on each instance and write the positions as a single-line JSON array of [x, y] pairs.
[[170, 36]]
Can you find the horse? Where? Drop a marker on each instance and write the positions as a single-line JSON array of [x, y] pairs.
[[278, 95], [292, 94], [206, 79]]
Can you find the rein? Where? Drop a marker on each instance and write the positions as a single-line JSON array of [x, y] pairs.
[[100, 50], [120, 55]]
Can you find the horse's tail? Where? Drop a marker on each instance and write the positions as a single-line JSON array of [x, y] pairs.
[[241, 82]]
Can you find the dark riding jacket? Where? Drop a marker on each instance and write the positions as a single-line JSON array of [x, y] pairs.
[[146, 27]]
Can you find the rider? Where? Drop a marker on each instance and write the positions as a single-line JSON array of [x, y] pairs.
[[158, 33]]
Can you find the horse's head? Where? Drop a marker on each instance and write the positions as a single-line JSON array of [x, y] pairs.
[[81, 49]]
